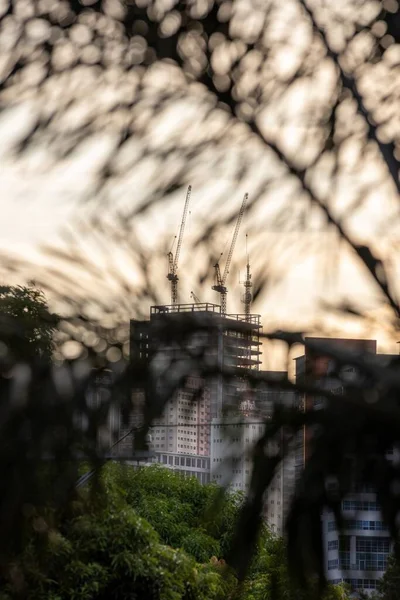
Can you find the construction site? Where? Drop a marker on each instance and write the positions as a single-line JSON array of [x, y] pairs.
[[196, 358], [211, 336], [235, 338]]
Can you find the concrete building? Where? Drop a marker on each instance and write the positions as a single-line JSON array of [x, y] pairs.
[[232, 442], [184, 427], [359, 556], [191, 435], [227, 341], [186, 465], [114, 435], [97, 396]]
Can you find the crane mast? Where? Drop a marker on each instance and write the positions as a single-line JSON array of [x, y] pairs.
[[247, 296], [221, 280], [173, 260]]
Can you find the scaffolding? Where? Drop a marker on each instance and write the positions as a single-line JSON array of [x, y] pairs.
[[240, 344], [231, 342]]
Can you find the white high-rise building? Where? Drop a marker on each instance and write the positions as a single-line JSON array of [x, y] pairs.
[[184, 427], [232, 443]]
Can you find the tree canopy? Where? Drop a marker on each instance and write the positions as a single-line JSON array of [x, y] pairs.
[[149, 534], [389, 588], [27, 324]]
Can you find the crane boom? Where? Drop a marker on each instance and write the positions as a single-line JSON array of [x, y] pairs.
[[235, 235], [182, 229], [221, 279], [195, 298], [173, 261]]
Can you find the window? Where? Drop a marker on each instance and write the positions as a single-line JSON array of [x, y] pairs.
[[367, 584], [371, 562], [344, 560], [372, 544], [364, 525], [372, 553], [333, 564], [360, 505], [333, 545]]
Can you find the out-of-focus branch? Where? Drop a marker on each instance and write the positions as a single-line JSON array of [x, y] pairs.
[[373, 264], [387, 150]]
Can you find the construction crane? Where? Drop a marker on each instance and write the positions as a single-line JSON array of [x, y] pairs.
[[195, 298], [221, 279], [247, 296], [173, 260]]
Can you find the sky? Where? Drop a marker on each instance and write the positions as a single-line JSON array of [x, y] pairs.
[[42, 199], [37, 207]]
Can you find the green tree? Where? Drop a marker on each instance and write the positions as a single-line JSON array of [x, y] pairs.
[[181, 510], [107, 551], [26, 322], [109, 555], [389, 585], [201, 521], [268, 576]]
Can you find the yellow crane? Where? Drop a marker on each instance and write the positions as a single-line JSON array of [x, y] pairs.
[[220, 286], [173, 260]]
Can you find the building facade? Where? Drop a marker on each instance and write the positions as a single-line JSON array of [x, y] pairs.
[[184, 464], [193, 435], [358, 556], [184, 427], [232, 443], [227, 341]]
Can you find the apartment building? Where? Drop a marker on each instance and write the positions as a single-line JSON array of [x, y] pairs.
[[232, 443]]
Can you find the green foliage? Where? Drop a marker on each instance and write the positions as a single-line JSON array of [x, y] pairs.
[[180, 509], [150, 536], [389, 585], [201, 520], [27, 324], [111, 552], [269, 578], [112, 555]]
